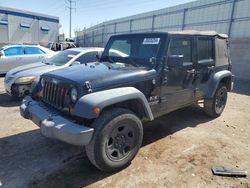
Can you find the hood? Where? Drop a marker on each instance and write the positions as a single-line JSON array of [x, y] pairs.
[[35, 69], [103, 75]]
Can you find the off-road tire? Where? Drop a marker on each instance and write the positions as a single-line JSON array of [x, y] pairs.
[[105, 127], [215, 106]]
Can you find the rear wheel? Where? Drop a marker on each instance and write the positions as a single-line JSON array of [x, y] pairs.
[[117, 139], [215, 106]]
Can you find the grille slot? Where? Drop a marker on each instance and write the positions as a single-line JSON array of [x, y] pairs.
[[54, 95]]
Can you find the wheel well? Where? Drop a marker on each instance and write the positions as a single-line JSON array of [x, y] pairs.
[[134, 105], [227, 82]]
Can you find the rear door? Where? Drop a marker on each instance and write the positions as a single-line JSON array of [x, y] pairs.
[[177, 89], [205, 64], [33, 54], [13, 57]]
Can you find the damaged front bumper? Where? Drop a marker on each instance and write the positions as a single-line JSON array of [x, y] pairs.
[[53, 125], [15, 90]]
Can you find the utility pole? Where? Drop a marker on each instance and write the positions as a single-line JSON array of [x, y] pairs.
[[70, 12]]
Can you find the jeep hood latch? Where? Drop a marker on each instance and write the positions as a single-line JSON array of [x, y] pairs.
[[88, 86]]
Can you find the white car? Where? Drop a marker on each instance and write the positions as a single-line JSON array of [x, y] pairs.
[[18, 81], [12, 56]]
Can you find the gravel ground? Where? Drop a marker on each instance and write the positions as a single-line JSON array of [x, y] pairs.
[[178, 150]]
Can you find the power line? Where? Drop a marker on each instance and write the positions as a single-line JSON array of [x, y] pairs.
[[70, 12], [94, 3], [110, 4]]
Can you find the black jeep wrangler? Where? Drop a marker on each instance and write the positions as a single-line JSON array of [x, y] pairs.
[[139, 77]]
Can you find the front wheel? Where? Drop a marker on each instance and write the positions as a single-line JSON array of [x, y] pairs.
[[215, 106], [116, 141]]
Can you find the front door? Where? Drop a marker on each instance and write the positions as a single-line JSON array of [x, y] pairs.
[[177, 85]]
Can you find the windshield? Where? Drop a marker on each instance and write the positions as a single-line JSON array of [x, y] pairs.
[[135, 50], [62, 57]]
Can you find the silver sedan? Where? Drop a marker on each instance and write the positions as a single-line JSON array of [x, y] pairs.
[[12, 56], [18, 81]]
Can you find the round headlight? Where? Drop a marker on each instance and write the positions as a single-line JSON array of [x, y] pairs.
[[42, 82], [73, 94], [25, 80]]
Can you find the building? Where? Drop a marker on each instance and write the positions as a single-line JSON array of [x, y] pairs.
[[23, 27], [224, 16]]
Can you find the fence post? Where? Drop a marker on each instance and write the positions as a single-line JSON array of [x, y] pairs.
[[184, 18], [130, 26], [115, 28], [92, 37], [231, 18], [103, 35], [153, 23], [84, 38]]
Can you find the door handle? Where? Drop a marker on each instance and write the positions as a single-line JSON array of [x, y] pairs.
[[165, 70], [191, 71], [211, 68]]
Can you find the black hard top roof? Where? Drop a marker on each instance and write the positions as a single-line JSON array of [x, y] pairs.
[[185, 32]]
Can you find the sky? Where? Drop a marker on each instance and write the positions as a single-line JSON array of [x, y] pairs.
[[87, 13]]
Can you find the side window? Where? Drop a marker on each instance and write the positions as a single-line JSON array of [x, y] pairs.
[[14, 51], [221, 51], [205, 49], [88, 57], [33, 50], [181, 46]]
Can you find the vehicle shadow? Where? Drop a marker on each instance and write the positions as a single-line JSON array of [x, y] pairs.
[[242, 86], [29, 158], [8, 101], [171, 123]]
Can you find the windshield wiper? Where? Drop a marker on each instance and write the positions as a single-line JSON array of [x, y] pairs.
[[112, 61], [45, 62], [133, 62], [108, 58]]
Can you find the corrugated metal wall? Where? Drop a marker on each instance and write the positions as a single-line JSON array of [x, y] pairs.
[[11, 30], [224, 16]]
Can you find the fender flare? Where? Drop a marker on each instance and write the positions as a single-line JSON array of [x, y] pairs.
[[102, 99], [216, 81]]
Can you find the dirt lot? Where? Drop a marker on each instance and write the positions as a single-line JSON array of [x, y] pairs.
[[178, 151]]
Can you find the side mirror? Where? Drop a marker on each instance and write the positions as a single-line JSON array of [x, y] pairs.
[[76, 63], [175, 61], [1, 54], [98, 55]]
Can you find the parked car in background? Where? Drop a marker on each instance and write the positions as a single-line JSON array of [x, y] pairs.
[[12, 56], [60, 46], [18, 81]]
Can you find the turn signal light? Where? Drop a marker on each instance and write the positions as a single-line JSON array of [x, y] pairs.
[[97, 110]]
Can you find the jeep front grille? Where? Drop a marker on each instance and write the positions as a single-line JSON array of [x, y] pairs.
[[55, 95]]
